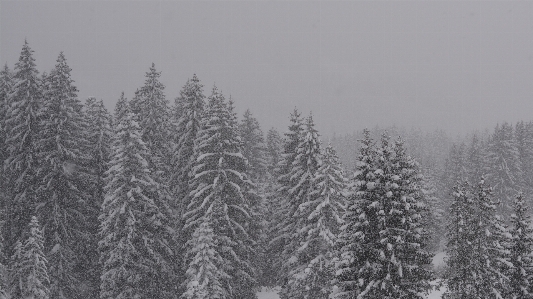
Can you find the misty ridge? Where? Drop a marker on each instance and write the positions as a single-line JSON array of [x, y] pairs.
[[187, 199]]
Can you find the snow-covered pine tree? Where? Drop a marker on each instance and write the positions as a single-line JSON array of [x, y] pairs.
[[271, 209], [321, 222], [521, 256], [524, 144], [219, 174], [99, 135], [3, 269], [273, 150], [6, 84], [191, 103], [135, 245], [34, 264], [356, 226], [280, 202], [205, 276], [253, 146], [490, 242], [152, 114], [121, 108], [16, 272], [303, 171], [28, 269], [503, 168], [63, 202], [459, 250], [390, 258], [22, 133], [474, 159]]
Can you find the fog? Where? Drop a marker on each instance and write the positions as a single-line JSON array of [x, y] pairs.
[[457, 66]]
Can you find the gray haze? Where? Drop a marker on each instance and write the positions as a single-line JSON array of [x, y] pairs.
[[452, 65]]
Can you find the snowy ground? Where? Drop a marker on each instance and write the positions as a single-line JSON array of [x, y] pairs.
[[274, 295], [438, 261]]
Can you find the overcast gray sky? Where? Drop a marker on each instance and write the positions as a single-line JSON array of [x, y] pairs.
[[453, 65]]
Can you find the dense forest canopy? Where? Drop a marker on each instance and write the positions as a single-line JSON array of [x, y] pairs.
[[187, 199]]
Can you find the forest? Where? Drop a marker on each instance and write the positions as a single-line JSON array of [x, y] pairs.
[[190, 200]]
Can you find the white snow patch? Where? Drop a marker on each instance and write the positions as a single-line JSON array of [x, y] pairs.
[[436, 293], [438, 259], [267, 293]]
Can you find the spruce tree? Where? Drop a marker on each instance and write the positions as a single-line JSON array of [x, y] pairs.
[[152, 114], [303, 171], [6, 84], [253, 146], [280, 202], [205, 276], [99, 138], [347, 282], [273, 150], [63, 201], [271, 211], [521, 251], [459, 246], [191, 103], [503, 167], [29, 271], [34, 263], [121, 108], [390, 258], [219, 175], [22, 133], [135, 245], [321, 221]]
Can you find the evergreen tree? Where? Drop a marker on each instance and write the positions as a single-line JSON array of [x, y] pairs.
[[121, 108], [3, 269], [191, 103], [273, 150], [280, 203], [271, 211], [34, 264], [135, 246], [219, 175], [62, 202], [253, 146], [303, 171], [524, 144], [478, 247], [204, 274], [521, 251], [22, 133], [29, 271], [6, 84], [99, 137], [459, 247], [321, 221], [474, 160], [152, 114], [504, 171], [390, 258]]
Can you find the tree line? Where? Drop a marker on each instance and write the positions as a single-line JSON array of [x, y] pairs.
[[187, 201]]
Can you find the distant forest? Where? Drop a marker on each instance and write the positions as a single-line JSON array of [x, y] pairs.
[[186, 199]]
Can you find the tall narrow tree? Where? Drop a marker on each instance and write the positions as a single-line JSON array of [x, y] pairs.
[[390, 258], [219, 175], [253, 146], [99, 136], [191, 103], [63, 201], [521, 248], [135, 230], [22, 124]]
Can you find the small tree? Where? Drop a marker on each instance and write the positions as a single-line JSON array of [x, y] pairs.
[[204, 276], [29, 271], [521, 251]]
